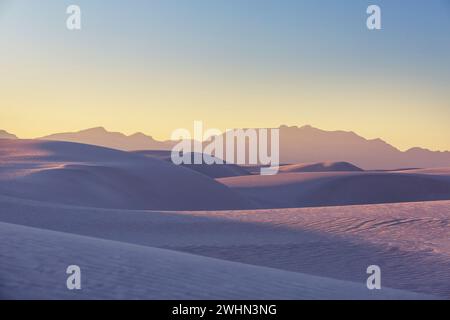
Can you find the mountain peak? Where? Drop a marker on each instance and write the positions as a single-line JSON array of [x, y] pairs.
[[116, 140], [6, 135], [140, 135], [95, 130], [305, 144], [294, 128]]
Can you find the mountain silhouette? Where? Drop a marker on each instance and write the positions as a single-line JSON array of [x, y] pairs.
[[304, 144], [101, 137], [6, 135]]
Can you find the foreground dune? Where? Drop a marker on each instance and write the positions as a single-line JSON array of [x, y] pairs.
[[340, 188], [84, 175], [408, 241], [115, 270]]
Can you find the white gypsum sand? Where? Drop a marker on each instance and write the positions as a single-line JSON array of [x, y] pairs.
[[115, 270], [409, 241]]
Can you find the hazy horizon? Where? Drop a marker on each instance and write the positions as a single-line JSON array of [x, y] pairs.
[[150, 135]]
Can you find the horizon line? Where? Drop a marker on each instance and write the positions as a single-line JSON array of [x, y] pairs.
[[103, 128]]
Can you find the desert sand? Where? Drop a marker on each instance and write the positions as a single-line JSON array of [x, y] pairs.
[[293, 254], [317, 189], [93, 176], [132, 223], [117, 270], [319, 167], [217, 168]]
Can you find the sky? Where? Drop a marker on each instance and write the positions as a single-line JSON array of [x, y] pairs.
[[154, 66]]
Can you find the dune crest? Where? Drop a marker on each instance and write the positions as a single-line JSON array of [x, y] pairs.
[[319, 189], [216, 170], [85, 175], [320, 167]]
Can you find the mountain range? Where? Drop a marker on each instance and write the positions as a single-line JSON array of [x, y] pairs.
[[297, 145], [308, 144], [101, 137]]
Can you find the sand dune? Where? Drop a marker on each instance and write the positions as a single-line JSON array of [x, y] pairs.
[[158, 154], [334, 242], [320, 167], [433, 171], [84, 175], [218, 170], [339, 188], [65, 203], [115, 270], [215, 170]]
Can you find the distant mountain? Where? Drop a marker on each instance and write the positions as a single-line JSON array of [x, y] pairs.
[[6, 135], [308, 144], [115, 140], [297, 145], [429, 159]]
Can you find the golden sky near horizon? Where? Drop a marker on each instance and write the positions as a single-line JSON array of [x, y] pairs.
[[71, 99], [63, 105], [155, 80]]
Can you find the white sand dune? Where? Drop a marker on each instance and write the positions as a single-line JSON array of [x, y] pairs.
[[158, 154], [434, 171], [339, 188], [215, 170], [85, 175], [115, 270], [66, 203], [320, 167], [408, 241], [218, 170]]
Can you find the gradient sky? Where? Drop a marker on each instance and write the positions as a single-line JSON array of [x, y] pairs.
[[157, 65]]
